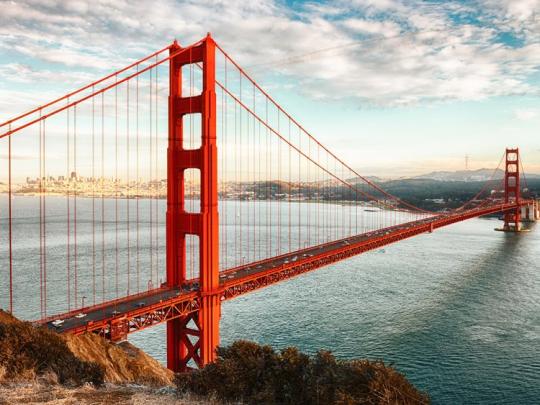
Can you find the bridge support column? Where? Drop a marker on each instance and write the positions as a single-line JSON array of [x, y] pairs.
[[529, 212], [192, 340], [512, 191]]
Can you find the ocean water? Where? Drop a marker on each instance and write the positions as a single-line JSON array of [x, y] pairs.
[[457, 311]]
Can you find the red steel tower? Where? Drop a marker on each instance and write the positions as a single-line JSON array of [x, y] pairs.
[[186, 342], [512, 193]]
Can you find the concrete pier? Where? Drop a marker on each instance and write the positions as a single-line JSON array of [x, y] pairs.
[[531, 212], [528, 213]]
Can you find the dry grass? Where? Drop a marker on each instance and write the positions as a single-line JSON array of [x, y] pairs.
[[122, 363], [40, 392], [27, 352]]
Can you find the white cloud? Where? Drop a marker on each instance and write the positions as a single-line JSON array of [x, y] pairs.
[[382, 28], [519, 16], [383, 52], [21, 73], [515, 9]]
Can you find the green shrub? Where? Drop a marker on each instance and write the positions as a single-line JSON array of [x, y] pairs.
[[255, 374]]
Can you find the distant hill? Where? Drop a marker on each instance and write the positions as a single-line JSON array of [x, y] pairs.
[[468, 175], [462, 175], [374, 179]]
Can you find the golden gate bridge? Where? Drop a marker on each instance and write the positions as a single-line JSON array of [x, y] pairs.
[[252, 199]]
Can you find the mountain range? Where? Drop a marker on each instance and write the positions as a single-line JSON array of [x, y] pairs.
[[468, 175]]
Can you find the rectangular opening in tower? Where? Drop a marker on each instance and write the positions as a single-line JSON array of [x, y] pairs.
[[192, 257], [192, 190], [192, 79], [192, 133], [512, 168], [512, 157]]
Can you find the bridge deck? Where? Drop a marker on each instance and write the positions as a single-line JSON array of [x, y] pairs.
[[136, 312]]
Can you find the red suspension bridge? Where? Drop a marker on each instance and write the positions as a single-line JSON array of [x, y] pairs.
[[252, 199]]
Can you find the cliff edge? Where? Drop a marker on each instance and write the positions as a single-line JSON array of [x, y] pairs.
[[27, 352]]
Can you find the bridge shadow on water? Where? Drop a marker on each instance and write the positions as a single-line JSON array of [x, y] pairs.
[[470, 344], [487, 270]]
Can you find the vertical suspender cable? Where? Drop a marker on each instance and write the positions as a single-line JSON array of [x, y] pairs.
[[246, 183], [235, 206], [259, 194], [40, 217], [254, 225], [138, 181], [290, 188], [44, 225], [68, 180], [239, 156], [116, 254], [309, 195], [225, 144], [268, 180], [221, 144], [318, 196], [10, 225], [102, 197], [156, 161], [128, 193], [280, 185], [334, 204], [191, 177], [356, 212], [75, 186], [268, 188], [222, 140], [349, 211], [300, 240], [93, 200], [150, 183]]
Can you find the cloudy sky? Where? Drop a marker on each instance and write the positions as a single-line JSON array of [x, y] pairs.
[[394, 87]]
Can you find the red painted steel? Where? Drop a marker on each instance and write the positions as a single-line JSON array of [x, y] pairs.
[[204, 224], [343, 249], [512, 190], [114, 323], [120, 317]]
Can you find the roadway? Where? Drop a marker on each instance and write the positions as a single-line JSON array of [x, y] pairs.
[[77, 320]]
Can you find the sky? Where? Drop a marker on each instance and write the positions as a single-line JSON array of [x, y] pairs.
[[395, 88]]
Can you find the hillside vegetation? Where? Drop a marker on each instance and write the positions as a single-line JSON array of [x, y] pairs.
[[27, 352], [254, 374], [122, 363], [40, 366]]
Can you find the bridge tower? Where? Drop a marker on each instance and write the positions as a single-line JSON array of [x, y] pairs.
[[193, 337], [512, 191]]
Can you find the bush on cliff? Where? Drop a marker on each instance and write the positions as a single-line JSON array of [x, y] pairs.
[[27, 351], [255, 374]]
